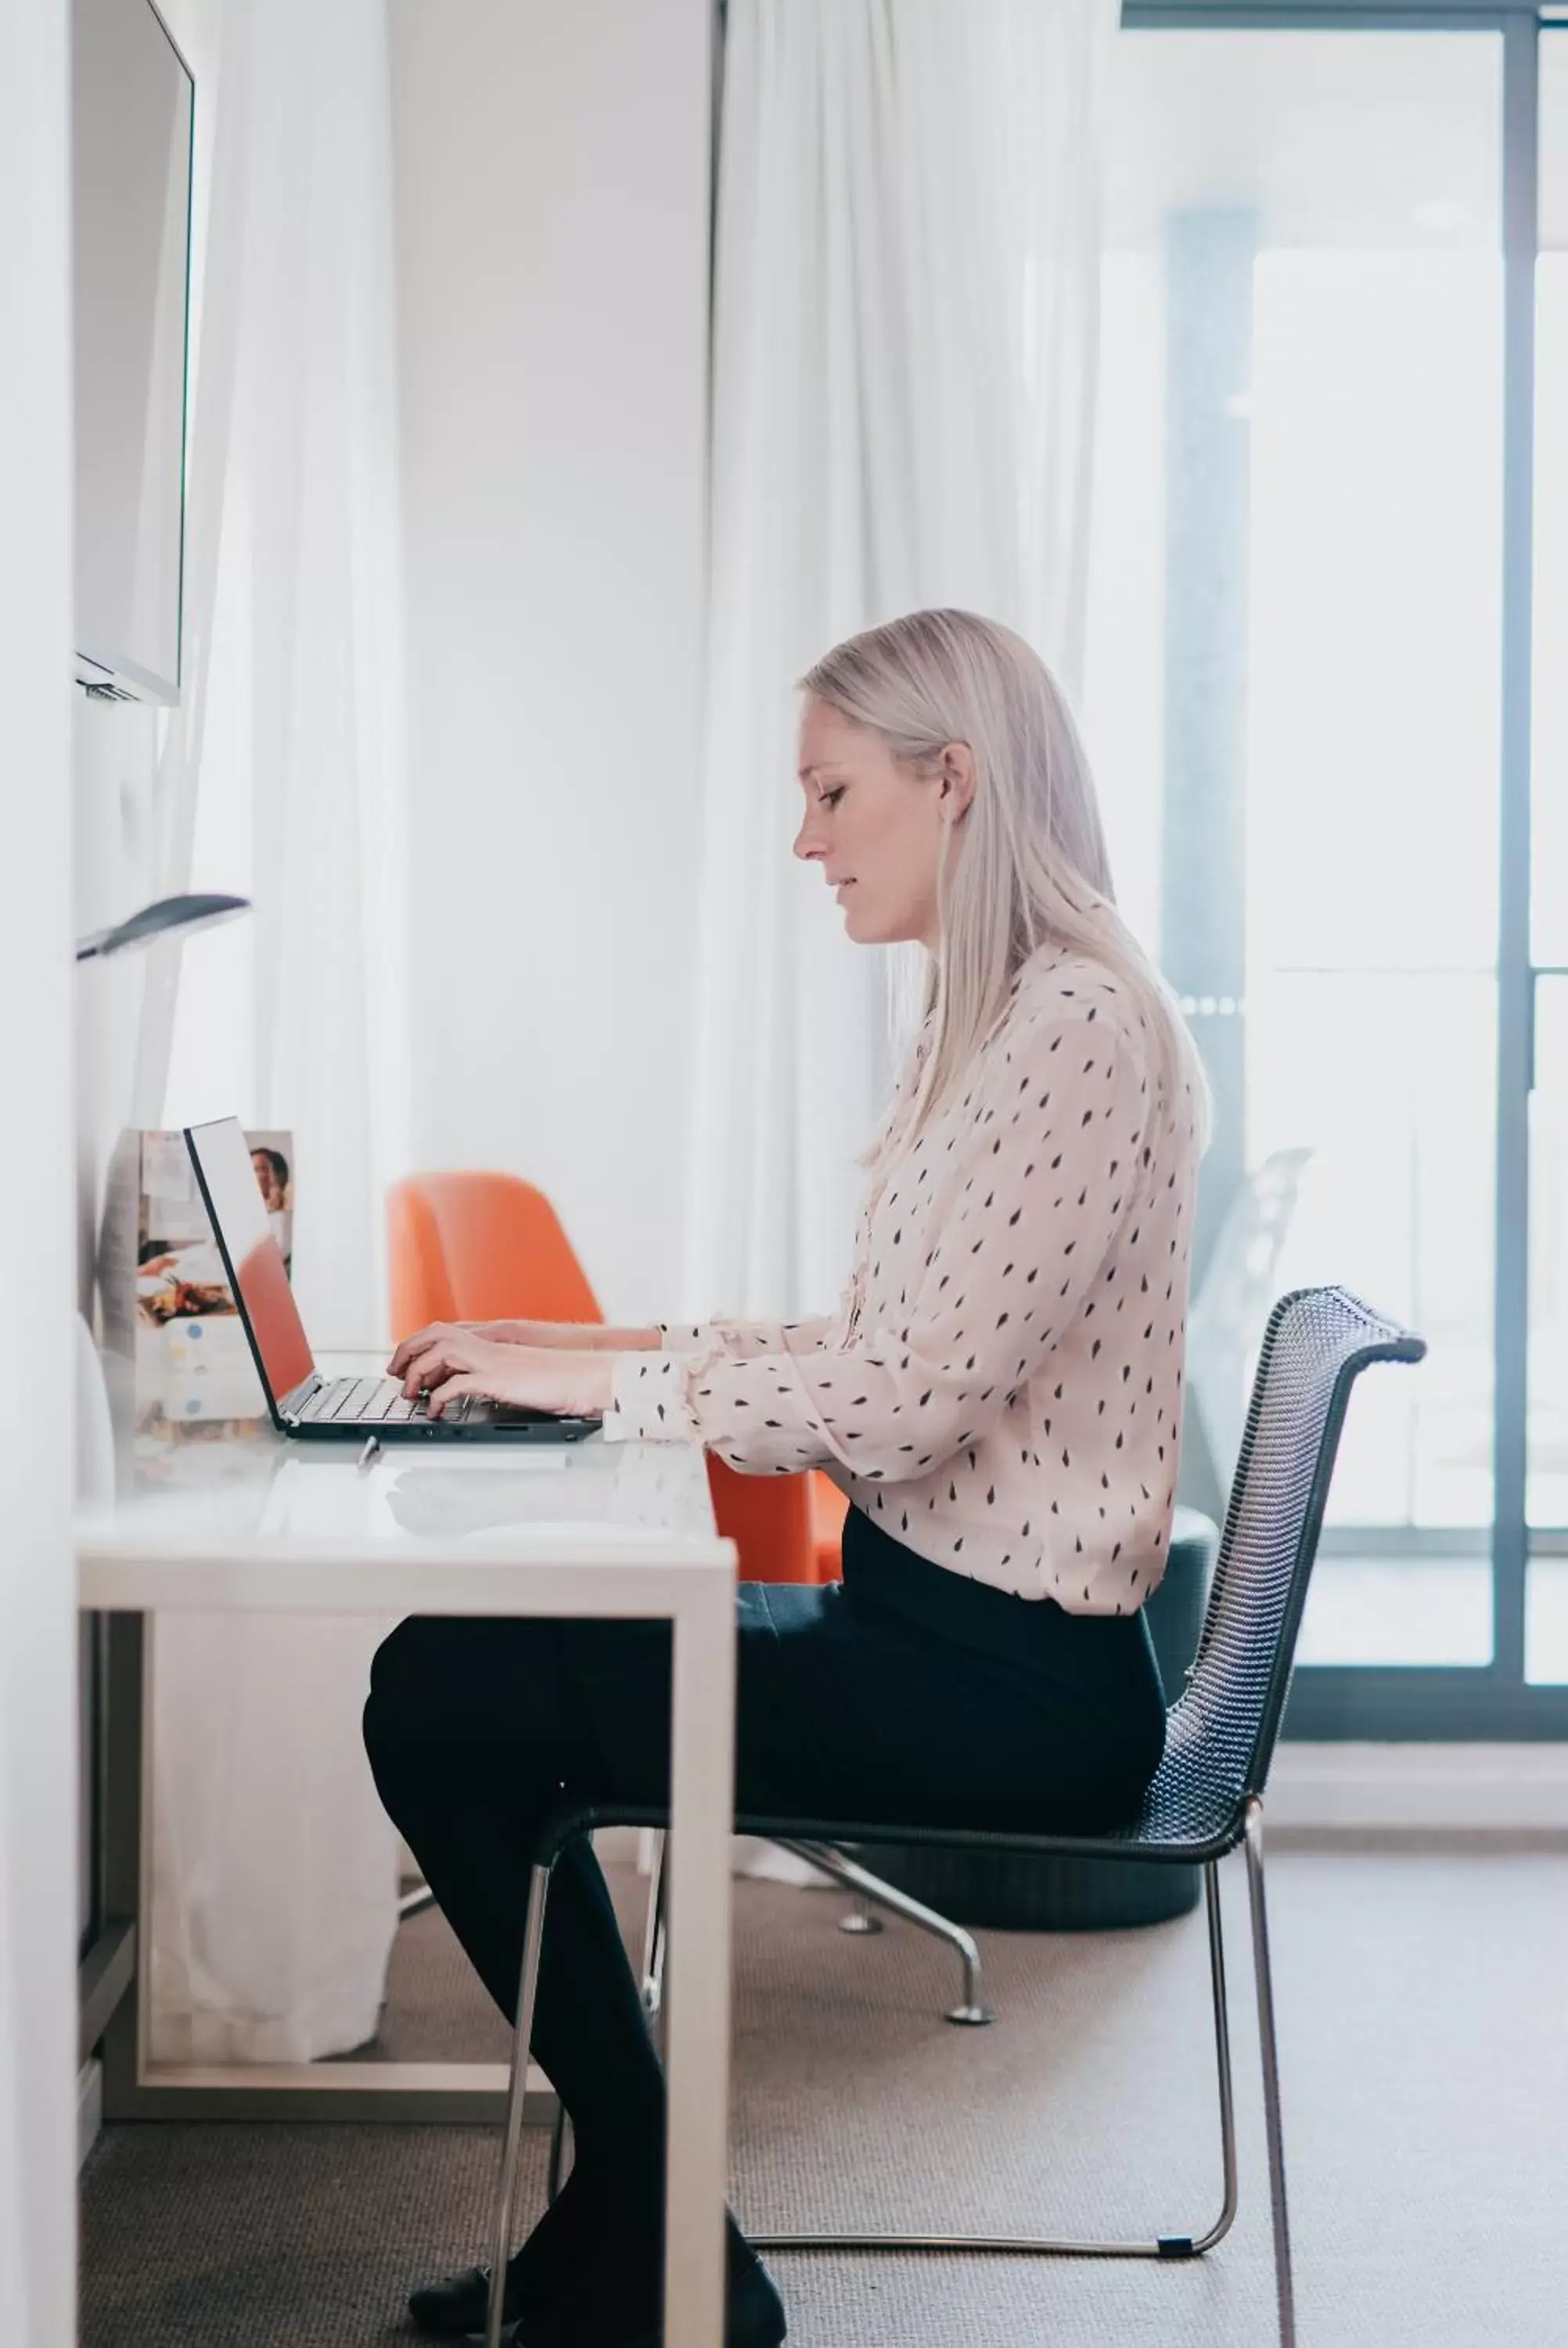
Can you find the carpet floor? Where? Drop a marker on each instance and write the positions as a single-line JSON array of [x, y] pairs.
[[1422, 2004]]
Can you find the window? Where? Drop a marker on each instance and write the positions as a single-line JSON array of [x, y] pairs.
[[1301, 651]]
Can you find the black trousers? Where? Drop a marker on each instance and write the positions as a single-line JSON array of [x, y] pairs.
[[906, 1692]]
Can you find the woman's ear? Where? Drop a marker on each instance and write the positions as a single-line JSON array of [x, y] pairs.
[[957, 781]]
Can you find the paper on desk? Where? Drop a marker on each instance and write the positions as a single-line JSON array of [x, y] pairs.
[[166, 1167]]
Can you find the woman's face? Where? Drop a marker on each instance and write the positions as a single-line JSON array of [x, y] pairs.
[[876, 829], [266, 1178]]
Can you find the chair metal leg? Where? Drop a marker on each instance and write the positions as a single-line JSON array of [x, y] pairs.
[[1165, 2246], [1284, 2287], [415, 1901], [653, 1932], [860, 1922], [1223, 2224], [507, 2184], [971, 2008]]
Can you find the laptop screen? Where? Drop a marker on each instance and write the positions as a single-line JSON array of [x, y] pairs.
[[254, 1258]]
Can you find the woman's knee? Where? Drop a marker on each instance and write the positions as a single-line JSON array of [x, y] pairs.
[[426, 1676], [414, 1654], [454, 1700], [407, 1702], [382, 1728]]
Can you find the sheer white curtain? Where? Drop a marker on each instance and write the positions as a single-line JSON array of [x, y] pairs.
[[284, 769], [274, 1874], [905, 321]]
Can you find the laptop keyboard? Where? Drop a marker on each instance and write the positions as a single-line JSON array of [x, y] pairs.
[[371, 1402]]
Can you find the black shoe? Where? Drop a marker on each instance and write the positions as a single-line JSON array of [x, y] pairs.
[[456, 2307], [754, 2314]]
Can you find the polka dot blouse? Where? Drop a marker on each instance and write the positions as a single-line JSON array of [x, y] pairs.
[[1001, 1388]]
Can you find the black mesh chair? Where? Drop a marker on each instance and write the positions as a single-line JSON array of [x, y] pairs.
[[1207, 1799]]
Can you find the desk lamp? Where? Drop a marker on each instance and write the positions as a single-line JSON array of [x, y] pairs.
[[157, 921]]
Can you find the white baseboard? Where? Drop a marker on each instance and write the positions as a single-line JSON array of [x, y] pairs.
[[89, 2106], [1497, 1788]]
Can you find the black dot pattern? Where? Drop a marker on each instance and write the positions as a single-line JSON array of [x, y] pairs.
[[1009, 1350]]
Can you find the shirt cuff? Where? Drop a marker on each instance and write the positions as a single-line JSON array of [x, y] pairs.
[[648, 1400], [684, 1336]]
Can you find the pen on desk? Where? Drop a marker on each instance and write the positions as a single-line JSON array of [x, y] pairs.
[[372, 1446]]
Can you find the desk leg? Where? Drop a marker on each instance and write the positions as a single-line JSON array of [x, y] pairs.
[[120, 1825], [697, 1976]]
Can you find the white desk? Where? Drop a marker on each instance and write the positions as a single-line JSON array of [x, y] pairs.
[[588, 1529]]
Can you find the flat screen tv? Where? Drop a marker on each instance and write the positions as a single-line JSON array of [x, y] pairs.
[[131, 115]]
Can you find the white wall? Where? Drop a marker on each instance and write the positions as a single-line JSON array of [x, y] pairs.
[[37, 1625], [552, 197]]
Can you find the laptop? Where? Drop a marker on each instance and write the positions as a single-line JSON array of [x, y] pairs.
[[302, 1403]]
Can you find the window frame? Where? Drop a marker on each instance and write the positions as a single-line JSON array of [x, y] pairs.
[[1494, 1701]]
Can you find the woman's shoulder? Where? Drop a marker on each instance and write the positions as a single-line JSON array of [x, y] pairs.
[[1057, 986]]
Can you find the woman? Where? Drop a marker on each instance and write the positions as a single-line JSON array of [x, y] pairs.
[[999, 1395]]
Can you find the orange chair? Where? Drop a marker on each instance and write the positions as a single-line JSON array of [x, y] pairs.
[[490, 1247]]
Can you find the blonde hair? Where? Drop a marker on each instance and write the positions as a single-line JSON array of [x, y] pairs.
[[1032, 869]]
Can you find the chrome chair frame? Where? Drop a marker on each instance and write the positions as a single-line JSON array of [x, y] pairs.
[[971, 2011], [1205, 1802], [870, 1891]]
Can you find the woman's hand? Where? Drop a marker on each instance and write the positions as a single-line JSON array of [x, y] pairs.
[[501, 1333], [446, 1361]]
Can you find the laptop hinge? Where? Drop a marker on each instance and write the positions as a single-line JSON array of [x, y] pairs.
[[291, 1408]]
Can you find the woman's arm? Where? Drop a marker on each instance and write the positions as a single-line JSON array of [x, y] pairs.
[[1039, 1182], [739, 1339], [589, 1336], [742, 1341], [566, 1337]]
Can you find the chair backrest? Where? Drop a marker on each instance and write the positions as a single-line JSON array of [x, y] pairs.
[[479, 1247], [1317, 1344]]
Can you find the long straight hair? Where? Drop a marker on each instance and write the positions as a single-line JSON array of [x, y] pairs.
[[1032, 868]]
